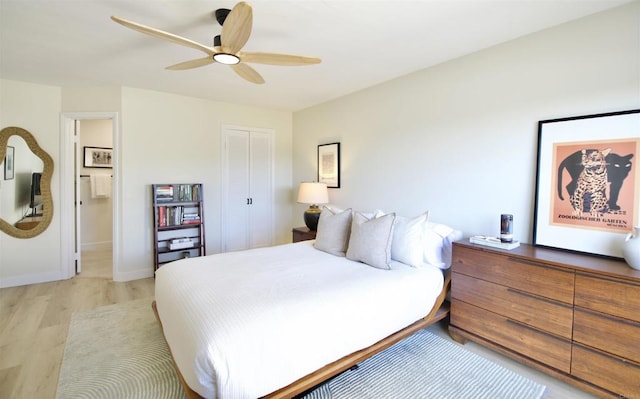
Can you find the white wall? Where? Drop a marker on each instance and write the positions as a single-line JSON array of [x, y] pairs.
[[460, 139], [35, 108]]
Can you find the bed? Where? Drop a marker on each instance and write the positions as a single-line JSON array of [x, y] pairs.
[[274, 322]]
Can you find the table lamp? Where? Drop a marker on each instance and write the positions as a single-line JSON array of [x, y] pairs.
[[312, 193]]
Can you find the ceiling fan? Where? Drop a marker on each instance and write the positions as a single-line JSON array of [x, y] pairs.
[[236, 29]]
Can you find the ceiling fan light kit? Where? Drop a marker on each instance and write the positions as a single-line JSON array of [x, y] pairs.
[[227, 59], [236, 29]]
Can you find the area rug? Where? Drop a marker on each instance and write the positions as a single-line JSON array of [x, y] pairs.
[[118, 351], [429, 367]]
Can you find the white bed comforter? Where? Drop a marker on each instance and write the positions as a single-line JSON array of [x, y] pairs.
[[244, 324]]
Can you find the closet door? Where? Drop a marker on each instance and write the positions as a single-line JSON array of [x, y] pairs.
[[260, 190], [247, 204]]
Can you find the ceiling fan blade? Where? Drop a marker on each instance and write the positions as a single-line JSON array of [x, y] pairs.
[[278, 59], [248, 73], [164, 35], [237, 28], [198, 62]]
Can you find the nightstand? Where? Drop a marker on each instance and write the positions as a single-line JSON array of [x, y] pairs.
[[303, 234]]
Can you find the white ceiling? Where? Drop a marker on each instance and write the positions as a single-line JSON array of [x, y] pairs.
[[74, 43]]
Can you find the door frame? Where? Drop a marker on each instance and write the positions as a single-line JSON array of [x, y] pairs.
[[68, 160]]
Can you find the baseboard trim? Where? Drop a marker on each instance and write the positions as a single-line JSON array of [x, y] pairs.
[[133, 275], [28, 279]]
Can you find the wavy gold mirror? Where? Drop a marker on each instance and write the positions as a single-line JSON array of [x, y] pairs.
[[26, 204]]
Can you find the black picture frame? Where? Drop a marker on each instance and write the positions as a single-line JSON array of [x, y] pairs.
[[10, 163], [329, 164], [98, 157], [587, 209]]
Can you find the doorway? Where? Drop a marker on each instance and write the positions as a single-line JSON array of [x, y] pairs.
[[89, 194], [94, 161]]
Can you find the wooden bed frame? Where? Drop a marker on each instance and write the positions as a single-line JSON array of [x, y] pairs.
[[439, 311]]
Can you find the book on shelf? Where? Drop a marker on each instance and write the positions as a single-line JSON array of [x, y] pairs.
[[493, 242], [188, 219], [178, 192], [176, 216], [164, 193], [188, 192]]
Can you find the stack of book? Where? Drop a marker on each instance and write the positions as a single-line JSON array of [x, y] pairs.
[[190, 218], [164, 193], [493, 242]]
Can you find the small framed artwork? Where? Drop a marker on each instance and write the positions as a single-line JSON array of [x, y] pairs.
[[98, 157], [587, 182], [329, 164], [9, 163]]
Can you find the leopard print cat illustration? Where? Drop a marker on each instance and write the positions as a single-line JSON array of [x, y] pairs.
[[589, 195], [618, 168]]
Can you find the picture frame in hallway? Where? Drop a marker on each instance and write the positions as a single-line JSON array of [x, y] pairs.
[[587, 182], [9, 163], [329, 164], [98, 157]]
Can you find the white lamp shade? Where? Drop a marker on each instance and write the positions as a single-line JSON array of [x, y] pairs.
[[313, 193]]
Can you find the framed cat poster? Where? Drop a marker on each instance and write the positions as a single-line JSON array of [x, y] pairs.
[[588, 182]]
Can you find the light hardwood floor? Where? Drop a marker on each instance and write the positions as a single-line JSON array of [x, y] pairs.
[[34, 322]]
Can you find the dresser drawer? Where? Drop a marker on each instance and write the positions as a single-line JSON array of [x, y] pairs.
[[610, 372], [618, 298], [541, 313], [617, 336], [524, 275], [538, 345]]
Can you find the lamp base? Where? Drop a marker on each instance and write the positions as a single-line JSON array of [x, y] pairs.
[[311, 217]]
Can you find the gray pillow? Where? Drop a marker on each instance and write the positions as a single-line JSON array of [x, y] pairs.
[[370, 240], [333, 231]]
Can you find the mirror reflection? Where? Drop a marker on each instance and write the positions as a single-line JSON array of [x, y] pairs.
[[21, 194], [25, 175]]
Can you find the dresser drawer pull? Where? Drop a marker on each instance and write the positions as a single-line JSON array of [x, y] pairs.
[[539, 298], [626, 362], [609, 317], [517, 323], [531, 263], [606, 278]]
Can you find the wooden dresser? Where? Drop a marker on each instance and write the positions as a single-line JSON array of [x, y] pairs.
[[576, 317]]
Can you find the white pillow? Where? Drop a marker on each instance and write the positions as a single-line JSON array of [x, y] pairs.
[[408, 239], [333, 231], [435, 242], [370, 240]]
